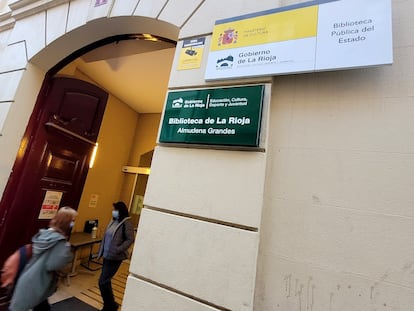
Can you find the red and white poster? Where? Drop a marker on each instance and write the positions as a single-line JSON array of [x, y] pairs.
[[50, 204]]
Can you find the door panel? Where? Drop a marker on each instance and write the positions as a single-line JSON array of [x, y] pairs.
[[61, 135], [78, 111], [63, 164]]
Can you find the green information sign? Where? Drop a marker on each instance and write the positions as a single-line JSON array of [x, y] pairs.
[[218, 116]]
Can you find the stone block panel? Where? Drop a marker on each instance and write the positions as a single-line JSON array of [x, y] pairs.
[[216, 184], [144, 296], [177, 11], [78, 14], [13, 57], [369, 244], [32, 30], [124, 7], [56, 22], [4, 110], [211, 262], [149, 8], [99, 9], [9, 82]]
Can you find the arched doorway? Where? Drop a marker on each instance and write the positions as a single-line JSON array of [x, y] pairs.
[[82, 38]]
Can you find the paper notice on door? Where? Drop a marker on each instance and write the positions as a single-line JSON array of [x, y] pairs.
[[50, 204]]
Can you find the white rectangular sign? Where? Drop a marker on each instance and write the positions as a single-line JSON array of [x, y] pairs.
[[312, 36], [50, 204], [354, 34]]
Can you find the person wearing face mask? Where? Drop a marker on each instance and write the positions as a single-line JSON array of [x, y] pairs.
[[51, 253], [118, 237]]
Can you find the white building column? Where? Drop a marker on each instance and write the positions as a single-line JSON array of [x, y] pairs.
[[199, 232]]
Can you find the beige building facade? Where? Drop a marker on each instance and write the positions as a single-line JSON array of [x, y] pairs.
[[321, 218]]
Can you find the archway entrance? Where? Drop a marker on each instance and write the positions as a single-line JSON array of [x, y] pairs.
[[102, 65]]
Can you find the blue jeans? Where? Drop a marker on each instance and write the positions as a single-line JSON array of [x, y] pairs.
[[109, 268]]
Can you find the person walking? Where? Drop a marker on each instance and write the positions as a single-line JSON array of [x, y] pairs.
[[118, 237], [51, 252]]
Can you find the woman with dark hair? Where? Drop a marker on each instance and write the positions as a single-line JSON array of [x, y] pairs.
[[51, 253], [117, 239]]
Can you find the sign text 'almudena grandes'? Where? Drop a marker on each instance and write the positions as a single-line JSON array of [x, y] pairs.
[[312, 36], [214, 116]]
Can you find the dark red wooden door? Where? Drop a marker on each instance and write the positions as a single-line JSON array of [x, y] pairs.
[[60, 138]]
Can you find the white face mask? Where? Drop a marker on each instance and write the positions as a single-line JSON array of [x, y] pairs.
[[115, 214]]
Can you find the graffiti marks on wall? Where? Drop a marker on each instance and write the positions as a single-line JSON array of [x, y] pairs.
[[305, 294]]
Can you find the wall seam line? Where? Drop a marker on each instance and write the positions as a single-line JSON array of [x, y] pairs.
[[204, 219], [181, 293], [191, 15], [136, 7], [162, 9], [14, 70], [67, 18], [46, 28]]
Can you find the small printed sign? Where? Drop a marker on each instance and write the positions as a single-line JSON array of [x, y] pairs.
[[93, 201], [50, 204], [217, 116], [191, 53]]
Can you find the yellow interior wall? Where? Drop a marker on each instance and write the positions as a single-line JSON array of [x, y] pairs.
[[123, 137], [105, 179], [144, 141], [145, 136]]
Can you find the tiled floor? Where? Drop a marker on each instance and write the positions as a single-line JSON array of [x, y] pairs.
[[84, 286]]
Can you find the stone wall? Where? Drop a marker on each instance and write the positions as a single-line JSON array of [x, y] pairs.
[[324, 213]]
